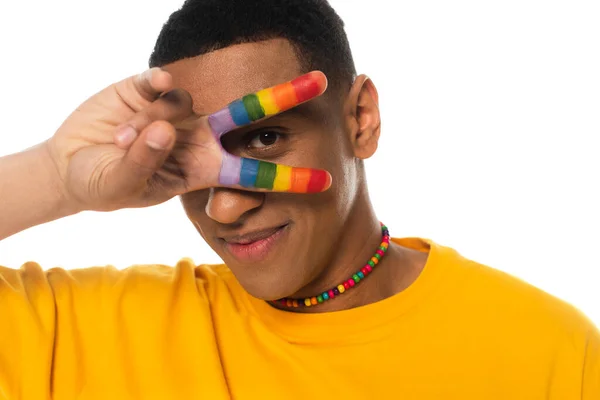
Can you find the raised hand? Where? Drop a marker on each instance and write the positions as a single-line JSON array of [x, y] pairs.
[[130, 146]]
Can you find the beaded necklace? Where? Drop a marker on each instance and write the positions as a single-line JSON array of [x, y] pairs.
[[348, 284]]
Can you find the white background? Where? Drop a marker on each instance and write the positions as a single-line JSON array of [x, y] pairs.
[[490, 129]]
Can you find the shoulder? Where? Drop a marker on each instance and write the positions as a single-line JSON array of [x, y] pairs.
[[137, 275], [517, 324], [183, 272], [136, 281], [496, 295]]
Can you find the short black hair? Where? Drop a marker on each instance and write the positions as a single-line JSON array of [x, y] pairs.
[[312, 27]]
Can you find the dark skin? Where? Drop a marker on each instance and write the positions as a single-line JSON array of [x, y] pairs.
[[329, 235]]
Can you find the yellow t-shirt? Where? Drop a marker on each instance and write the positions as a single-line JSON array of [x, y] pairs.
[[460, 331]]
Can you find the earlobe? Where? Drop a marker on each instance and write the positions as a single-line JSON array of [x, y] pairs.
[[365, 120]]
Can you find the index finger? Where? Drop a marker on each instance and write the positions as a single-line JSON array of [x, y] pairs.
[[267, 103]]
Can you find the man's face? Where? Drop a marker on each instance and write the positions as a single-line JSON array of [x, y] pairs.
[[275, 243]]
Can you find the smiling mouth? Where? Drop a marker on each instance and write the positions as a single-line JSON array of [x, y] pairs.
[[254, 246]]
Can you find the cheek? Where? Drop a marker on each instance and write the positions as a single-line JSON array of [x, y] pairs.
[[322, 148], [343, 168], [336, 156], [345, 188], [331, 155]]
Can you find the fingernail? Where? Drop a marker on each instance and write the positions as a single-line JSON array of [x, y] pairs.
[[125, 135], [157, 139]]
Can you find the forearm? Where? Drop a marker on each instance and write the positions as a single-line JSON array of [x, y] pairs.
[[30, 191]]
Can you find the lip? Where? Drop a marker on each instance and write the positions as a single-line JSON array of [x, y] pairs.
[[254, 246]]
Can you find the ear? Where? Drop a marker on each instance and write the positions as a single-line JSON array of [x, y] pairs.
[[363, 118]]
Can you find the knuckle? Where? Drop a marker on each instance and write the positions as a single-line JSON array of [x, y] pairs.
[[179, 99]]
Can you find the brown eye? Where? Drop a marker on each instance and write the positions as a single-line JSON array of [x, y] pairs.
[[263, 139]]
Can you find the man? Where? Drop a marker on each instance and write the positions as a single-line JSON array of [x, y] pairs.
[[315, 299]]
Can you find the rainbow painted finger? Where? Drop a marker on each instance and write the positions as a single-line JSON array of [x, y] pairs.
[[267, 102], [256, 174]]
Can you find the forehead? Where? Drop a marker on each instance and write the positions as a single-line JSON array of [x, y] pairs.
[[215, 79]]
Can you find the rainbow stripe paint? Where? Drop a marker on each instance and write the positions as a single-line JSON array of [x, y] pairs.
[[257, 174]]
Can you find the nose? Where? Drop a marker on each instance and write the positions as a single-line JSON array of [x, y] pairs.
[[227, 206]]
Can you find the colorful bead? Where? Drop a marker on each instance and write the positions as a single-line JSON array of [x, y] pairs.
[[341, 288]]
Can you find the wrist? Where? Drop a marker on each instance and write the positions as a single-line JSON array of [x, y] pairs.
[[31, 191], [51, 182]]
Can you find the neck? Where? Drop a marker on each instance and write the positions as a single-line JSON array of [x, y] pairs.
[[360, 239]]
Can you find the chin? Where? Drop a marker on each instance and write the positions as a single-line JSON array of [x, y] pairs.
[[268, 266], [266, 286], [266, 293], [273, 280]]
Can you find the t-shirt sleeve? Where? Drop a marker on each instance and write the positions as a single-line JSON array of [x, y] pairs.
[[27, 331], [62, 332], [591, 369]]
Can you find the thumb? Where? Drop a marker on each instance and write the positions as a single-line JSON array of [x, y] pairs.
[[145, 156]]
